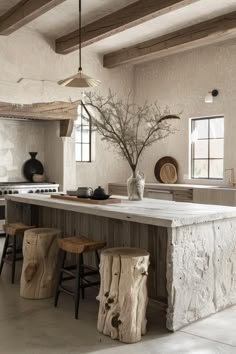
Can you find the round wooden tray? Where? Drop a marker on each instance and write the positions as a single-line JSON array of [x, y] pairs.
[[160, 163], [168, 173]]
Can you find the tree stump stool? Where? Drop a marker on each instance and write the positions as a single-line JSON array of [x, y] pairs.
[[123, 293], [40, 250]]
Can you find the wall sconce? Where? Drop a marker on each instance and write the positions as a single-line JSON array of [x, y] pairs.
[[210, 96]]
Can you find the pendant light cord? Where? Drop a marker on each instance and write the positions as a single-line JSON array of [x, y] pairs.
[[80, 41]]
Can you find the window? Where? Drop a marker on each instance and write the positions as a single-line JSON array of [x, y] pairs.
[[83, 135], [207, 147]]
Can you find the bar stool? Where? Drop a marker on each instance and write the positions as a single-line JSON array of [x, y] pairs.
[[78, 271], [10, 250]]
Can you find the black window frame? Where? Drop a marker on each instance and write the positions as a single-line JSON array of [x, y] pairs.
[[209, 119], [82, 143]]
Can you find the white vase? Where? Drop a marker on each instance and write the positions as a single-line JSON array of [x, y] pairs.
[[135, 186]]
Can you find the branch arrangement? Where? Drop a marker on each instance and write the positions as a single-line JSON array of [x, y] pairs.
[[130, 128]]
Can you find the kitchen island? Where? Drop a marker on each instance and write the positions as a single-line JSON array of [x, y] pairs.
[[192, 246]]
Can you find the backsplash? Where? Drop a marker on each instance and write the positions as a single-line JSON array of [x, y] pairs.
[[17, 138]]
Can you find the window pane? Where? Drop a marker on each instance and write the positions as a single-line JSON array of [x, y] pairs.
[[217, 148], [200, 168], [85, 134], [216, 168], [217, 128], [78, 133], [85, 152], [201, 149], [78, 152], [200, 129]]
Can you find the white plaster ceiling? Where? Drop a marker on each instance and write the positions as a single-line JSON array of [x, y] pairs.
[[64, 18]]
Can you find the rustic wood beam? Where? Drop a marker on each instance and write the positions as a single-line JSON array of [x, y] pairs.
[[24, 12], [42, 111], [127, 17], [205, 33]]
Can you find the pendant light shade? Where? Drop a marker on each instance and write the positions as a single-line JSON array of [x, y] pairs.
[[79, 79]]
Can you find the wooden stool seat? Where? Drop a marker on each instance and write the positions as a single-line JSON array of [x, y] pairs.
[[16, 228], [79, 244], [82, 273], [11, 250]]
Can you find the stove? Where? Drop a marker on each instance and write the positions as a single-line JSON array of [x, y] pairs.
[[27, 187], [7, 188]]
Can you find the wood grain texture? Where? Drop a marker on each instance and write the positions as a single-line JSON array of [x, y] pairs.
[[40, 250], [204, 33], [123, 294], [116, 22], [116, 233], [43, 111], [24, 12]]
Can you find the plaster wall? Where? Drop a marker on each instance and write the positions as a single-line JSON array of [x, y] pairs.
[[181, 82], [29, 55], [17, 138]]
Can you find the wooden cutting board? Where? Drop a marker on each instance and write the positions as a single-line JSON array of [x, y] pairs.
[[85, 200]]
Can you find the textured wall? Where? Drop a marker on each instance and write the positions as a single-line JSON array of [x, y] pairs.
[[28, 54], [17, 138], [181, 82]]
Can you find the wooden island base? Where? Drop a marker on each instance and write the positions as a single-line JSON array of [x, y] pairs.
[[192, 247]]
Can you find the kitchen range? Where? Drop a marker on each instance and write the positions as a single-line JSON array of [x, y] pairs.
[[7, 188]]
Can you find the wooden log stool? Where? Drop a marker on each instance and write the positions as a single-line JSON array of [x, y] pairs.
[[40, 251], [123, 293], [78, 271], [12, 250]]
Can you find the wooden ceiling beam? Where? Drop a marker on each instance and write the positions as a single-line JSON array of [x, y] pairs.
[[40, 111], [205, 33], [24, 12], [127, 17]]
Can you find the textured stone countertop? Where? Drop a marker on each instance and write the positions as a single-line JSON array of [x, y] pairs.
[[148, 211]]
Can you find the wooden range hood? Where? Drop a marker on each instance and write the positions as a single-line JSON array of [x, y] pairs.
[[64, 112]]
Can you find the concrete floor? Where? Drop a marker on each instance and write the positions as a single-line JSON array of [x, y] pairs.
[[36, 327]]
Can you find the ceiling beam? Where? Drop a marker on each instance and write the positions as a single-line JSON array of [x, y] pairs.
[[204, 33], [40, 111], [127, 17], [24, 12]]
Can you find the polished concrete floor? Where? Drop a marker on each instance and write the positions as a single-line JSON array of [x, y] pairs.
[[36, 327]]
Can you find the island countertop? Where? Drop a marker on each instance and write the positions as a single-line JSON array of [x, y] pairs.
[[148, 211]]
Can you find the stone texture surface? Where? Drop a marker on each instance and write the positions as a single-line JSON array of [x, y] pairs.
[[201, 275]]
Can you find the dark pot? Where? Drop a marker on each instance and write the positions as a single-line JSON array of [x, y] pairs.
[[32, 166]]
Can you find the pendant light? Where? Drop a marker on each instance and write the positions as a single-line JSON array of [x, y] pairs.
[[79, 79]]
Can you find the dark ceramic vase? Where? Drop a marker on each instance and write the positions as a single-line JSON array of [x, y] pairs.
[[32, 166]]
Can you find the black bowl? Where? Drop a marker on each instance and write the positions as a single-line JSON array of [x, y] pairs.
[[100, 197]]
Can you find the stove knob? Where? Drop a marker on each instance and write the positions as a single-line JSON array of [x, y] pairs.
[[50, 190], [5, 192], [37, 191], [10, 192], [54, 190], [15, 192], [30, 191], [46, 190], [0, 192], [42, 191]]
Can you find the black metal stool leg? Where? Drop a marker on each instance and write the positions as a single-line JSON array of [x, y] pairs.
[[97, 259], [62, 257], [13, 260], [4, 252], [81, 263], [77, 286]]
